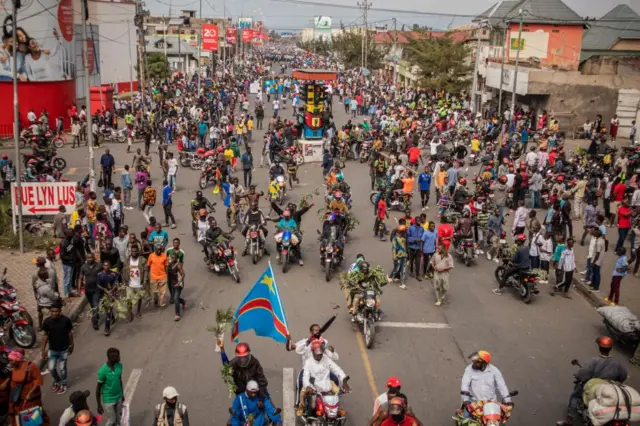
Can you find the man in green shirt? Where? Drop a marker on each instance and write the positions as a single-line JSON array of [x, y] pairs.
[[110, 392]]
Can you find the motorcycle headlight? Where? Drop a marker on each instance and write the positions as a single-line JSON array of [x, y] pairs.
[[371, 303], [329, 249], [227, 252]]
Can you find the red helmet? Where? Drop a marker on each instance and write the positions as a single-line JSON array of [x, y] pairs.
[[554, 149], [393, 382], [463, 181], [521, 237], [337, 194], [220, 149], [560, 178], [605, 342], [491, 163], [242, 350], [503, 179], [488, 168]]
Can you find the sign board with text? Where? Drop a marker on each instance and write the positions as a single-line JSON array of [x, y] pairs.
[[44, 198], [209, 37]]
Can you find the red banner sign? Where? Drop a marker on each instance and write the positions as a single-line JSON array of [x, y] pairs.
[[232, 34], [247, 35], [209, 37]]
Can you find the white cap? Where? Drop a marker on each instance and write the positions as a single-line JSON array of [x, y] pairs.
[[252, 386], [170, 392]]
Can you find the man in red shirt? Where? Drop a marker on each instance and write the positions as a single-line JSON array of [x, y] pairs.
[[617, 195], [415, 155], [445, 233], [380, 228], [624, 222]]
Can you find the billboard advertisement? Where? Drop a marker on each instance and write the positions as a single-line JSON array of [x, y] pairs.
[[322, 23], [46, 46], [232, 34], [209, 37], [243, 22]]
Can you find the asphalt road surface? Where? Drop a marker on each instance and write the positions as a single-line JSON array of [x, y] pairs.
[[425, 346]]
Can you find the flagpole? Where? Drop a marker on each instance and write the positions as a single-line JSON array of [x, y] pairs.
[[275, 287]]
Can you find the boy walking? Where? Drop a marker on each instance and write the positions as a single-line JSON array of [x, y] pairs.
[[619, 271]]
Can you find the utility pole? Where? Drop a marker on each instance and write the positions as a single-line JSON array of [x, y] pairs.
[[504, 49], [224, 39], [131, 55], [474, 87], [16, 119], [139, 21], [199, 51], [395, 51], [515, 74], [87, 94], [365, 6]]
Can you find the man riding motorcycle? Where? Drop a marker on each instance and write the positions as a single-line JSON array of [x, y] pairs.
[[464, 227], [357, 289], [255, 217], [213, 233], [355, 266], [288, 224], [199, 203], [600, 367], [398, 414], [337, 220], [320, 367], [338, 203], [519, 263], [460, 194], [248, 407], [246, 367], [483, 381]]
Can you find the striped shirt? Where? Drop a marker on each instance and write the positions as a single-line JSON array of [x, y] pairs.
[[567, 260]]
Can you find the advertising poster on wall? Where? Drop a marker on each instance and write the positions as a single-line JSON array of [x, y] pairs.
[[232, 34], [46, 47], [209, 37]]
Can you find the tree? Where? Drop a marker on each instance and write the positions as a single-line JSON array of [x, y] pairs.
[[157, 66], [274, 35], [444, 64], [348, 46], [319, 47]]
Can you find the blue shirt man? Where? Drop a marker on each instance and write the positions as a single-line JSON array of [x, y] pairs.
[[107, 161], [166, 195], [245, 407], [452, 174], [202, 128], [160, 237], [424, 181], [414, 237]]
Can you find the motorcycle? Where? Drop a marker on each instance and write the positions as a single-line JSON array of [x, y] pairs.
[[111, 135], [185, 158], [466, 249], [583, 410], [207, 176], [55, 160], [485, 413], [366, 315], [399, 200], [225, 259], [365, 151], [256, 244], [288, 246], [524, 282], [327, 411], [8, 293], [330, 254]]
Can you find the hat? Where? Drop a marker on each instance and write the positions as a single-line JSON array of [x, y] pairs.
[[17, 355], [393, 382], [78, 396], [170, 392], [252, 386]]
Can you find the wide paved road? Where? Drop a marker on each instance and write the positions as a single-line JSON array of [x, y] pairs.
[[425, 346]]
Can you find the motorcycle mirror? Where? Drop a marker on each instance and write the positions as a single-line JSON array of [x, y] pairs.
[[231, 411], [514, 393], [318, 231], [465, 393], [574, 362]]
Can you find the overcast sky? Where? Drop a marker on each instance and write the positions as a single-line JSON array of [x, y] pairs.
[[288, 16]]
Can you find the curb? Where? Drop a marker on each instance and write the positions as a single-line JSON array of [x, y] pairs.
[[592, 298], [73, 316]]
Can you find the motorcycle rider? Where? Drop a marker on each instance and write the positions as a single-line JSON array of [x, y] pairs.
[[460, 194], [601, 367], [303, 348], [355, 266], [464, 228], [248, 407], [199, 203], [519, 263], [338, 203], [211, 236], [255, 217], [381, 405], [246, 368], [356, 289], [288, 224], [399, 415], [483, 381], [320, 367]]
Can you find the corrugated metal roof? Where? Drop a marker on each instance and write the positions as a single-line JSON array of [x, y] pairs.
[[605, 36], [172, 46], [545, 12], [496, 13]]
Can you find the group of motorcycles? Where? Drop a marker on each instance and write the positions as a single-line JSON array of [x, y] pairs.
[[15, 322]]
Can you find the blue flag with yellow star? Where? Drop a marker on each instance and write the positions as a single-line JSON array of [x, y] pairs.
[[262, 311]]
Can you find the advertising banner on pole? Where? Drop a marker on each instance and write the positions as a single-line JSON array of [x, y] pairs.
[[232, 34], [44, 198], [209, 37], [247, 35]]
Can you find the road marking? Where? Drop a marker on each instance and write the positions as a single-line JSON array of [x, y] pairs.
[[412, 324], [365, 358], [288, 398], [132, 384], [72, 171]]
